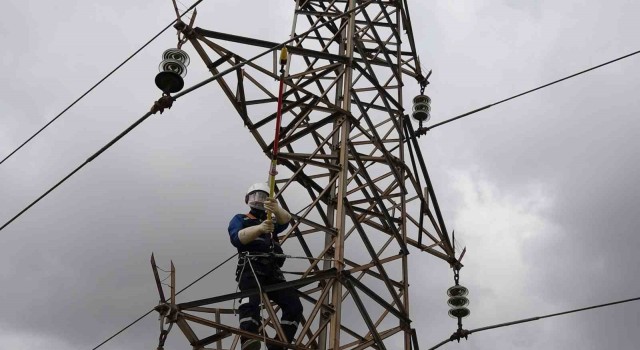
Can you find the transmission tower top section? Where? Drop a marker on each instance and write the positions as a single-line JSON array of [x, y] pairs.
[[349, 167]]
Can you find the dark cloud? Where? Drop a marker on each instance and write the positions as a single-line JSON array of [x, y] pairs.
[[542, 189]]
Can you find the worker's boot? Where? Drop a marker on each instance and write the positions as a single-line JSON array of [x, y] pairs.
[[251, 344]]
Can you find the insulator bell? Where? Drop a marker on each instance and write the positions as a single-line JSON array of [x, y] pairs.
[[421, 108], [461, 312], [172, 69], [458, 301], [176, 54], [457, 291], [175, 66]]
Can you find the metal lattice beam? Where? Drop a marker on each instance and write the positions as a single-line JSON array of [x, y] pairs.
[[344, 169]]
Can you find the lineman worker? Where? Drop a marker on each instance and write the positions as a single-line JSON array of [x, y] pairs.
[[256, 239]]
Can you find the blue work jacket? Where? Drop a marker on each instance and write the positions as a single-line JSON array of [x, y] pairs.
[[262, 244]]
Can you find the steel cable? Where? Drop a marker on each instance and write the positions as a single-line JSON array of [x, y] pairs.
[[528, 91], [175, 97], [150, 311], [99, 82], [499, 325]]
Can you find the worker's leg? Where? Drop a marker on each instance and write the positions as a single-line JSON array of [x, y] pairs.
[[249, 309], [289, 302]]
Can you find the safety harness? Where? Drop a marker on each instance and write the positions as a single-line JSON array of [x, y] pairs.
[[268, 257]]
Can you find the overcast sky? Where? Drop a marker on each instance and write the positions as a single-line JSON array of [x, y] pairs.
[[541, 189]]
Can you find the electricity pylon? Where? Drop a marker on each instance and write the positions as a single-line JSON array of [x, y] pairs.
[[350, 172]]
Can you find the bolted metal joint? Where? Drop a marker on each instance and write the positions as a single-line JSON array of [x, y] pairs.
[[330, 253], [459, 334], [180, 26], [168, 315], [165, 102], [185, 29], [421, 131]]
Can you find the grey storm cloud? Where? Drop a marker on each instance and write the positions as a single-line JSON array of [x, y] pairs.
[[541, 189]]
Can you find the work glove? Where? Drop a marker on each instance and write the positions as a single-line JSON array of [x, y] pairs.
[[282, 216], [247, 235]]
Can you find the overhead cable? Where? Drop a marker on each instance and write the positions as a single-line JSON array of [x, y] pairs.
[[95, 155], [166, 101], [100, 81], [150, 311], [424, 130], [452, 338]]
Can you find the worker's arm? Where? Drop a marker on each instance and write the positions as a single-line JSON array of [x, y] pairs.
[[282, 216], [240, 236], [247, 235]]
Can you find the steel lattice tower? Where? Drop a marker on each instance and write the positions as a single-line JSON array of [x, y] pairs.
[[350, 171]]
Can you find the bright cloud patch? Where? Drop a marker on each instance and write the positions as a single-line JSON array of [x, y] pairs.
[[27, 341], [496, 226]]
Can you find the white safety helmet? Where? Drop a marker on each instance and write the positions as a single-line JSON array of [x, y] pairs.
[[256, 195]]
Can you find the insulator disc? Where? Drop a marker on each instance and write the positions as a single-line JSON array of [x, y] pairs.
[[171, 65], [421, 116], [459, 312], [422, 107], [457, 291], [422, 99], [176, 54], [458, 301], [169, 82]]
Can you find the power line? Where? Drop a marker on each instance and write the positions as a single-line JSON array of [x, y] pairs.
[[150, 311], [452, 338], [166, 101], [99, 82], [424, 130], [95, 155]]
